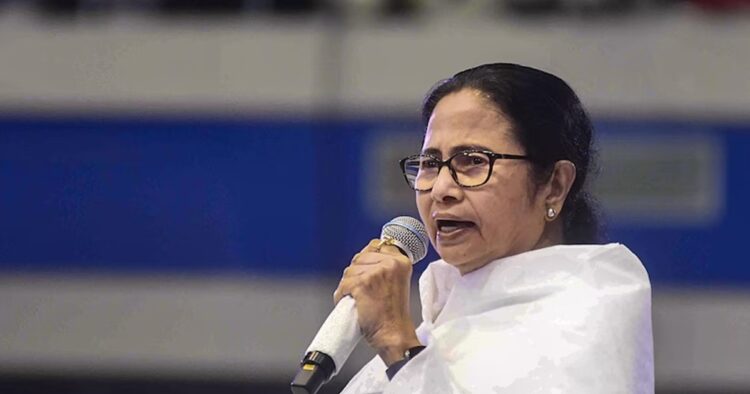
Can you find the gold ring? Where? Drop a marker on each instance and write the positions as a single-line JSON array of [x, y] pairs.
[[383, 242]]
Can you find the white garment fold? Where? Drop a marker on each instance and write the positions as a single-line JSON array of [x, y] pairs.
[[563, 319]]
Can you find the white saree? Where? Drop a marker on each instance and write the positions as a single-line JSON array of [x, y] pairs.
[[563, 319]]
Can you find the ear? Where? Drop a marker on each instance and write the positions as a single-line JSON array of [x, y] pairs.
[[558, 186]]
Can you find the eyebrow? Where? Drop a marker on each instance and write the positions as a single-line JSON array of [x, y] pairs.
[[460, 148]]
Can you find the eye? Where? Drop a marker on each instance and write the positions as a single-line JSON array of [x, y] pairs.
[[477, 160], [470, 160], [429, 163]]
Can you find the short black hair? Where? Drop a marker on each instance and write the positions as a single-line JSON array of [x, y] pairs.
[[549, 122]]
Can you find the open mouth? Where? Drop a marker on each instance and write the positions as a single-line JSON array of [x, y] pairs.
[[449, 226]]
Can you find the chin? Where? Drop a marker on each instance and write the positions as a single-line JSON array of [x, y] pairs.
[[465, 264]]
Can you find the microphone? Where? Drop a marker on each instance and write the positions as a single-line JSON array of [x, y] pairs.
[[340, 333]]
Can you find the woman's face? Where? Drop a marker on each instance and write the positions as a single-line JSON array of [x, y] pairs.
[[503, 217]]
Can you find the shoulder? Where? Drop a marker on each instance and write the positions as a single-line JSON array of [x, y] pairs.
[[611, 264], [597, 265]]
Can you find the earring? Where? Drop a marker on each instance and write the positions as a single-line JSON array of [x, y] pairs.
[[551, 213]]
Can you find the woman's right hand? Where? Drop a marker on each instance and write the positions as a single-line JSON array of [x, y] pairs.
[[379, 280]]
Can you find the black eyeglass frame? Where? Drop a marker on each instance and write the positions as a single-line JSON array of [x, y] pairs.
[[446, 163]]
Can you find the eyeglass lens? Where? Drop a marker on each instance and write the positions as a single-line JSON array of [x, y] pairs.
[[469, 169]]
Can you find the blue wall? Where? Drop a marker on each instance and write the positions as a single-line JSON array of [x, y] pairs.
[[264, 196]]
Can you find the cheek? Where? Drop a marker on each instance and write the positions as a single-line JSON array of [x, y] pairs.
[[504, 214], [423, 206]]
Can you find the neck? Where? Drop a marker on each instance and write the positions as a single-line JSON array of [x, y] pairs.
[[552, 235]]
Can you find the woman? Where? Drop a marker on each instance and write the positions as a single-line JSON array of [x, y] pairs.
[[523, 300]]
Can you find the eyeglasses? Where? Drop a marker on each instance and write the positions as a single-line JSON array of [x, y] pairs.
[[469, 168]]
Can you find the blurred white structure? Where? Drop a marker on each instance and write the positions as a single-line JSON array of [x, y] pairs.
[[673, 64]]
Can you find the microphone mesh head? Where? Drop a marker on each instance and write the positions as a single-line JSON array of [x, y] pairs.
[[408, 234]]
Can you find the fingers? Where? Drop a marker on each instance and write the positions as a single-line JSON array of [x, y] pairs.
[[377, 273], [351, 283], [341, 292], [375, 251], [371, 246], [378, 246], [376, 259], [349, 280], [391, 250]]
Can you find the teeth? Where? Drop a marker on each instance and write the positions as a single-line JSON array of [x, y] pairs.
[[452, 225]]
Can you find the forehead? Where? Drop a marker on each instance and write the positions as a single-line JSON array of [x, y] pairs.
[[466, 118]]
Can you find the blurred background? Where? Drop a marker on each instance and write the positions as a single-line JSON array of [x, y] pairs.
[[182, 182]]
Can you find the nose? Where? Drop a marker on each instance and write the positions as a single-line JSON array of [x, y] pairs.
[[445, 188]]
